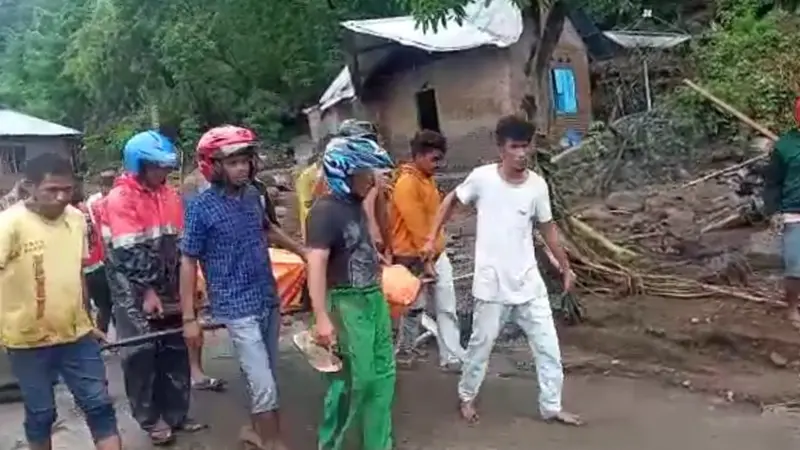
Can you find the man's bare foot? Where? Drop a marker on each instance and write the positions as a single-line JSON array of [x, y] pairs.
[[794, 317], [468, 412], [565, 418]]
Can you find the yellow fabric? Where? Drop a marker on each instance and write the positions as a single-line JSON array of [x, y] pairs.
[[304, 186], [415, 201], [41, 286]]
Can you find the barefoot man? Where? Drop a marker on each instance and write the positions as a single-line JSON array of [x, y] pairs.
[[349, 308], [510, 200], [782, 202]]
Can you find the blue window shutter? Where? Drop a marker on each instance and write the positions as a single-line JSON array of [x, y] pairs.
[[565, 98]]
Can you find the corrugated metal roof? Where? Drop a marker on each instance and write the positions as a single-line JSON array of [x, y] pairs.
[[13, 123], [499, 24], [340, 89]]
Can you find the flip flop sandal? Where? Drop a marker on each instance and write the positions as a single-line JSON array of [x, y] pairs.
[[190, 426], [161, 437], [320, 358], [209, 384]]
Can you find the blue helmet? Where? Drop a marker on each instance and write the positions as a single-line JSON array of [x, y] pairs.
[[346, 155], [148, 147]]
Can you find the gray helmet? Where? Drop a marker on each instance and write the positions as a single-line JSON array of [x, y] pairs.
[[357, 128]]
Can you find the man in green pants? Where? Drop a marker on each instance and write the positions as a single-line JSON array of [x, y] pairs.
[[350, 312]]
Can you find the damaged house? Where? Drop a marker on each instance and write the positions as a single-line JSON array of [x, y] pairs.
[[458, 80]]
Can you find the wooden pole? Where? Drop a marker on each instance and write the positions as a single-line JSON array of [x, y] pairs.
[[730, 109], [739, 115], [647, 93]]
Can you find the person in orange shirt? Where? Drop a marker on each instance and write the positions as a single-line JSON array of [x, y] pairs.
[[415, 201]]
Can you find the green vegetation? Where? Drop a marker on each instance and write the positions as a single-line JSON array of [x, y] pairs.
[[110, 67]]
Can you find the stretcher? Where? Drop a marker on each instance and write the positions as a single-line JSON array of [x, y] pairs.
[[141, 339]]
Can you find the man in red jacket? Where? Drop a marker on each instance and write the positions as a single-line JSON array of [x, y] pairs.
[[145, 221]]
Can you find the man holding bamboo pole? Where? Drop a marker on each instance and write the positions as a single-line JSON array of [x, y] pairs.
[[782, 202]]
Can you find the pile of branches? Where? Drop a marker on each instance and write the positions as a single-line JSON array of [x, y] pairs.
[[632, 152], [641, 149]]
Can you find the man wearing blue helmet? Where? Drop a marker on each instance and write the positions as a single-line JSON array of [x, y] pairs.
[[350, 311], [144, 223]]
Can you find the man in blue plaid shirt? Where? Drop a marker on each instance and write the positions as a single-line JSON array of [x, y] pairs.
[[226, 232]]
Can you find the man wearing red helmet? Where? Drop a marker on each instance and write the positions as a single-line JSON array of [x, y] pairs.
[[782, 202], [225, 234]]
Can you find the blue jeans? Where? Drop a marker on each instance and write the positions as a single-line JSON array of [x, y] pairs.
[[80, 366], [790, 243], [255, 341]]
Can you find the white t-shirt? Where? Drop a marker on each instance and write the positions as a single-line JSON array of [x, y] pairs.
[[505, 263]]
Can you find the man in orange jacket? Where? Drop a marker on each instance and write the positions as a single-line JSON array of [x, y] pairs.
[[415, 201]]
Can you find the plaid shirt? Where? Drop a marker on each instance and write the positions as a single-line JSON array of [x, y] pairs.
[[226, 234]]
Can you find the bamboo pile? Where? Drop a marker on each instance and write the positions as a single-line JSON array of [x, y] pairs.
[[605, 267]]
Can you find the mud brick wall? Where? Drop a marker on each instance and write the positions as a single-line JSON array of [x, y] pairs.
[[473, 90]]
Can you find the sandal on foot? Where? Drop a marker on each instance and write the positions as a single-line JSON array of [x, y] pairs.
[[190, 426], [161, 437], [209, 384]]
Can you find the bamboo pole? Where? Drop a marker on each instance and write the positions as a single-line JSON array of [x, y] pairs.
[[733, 111], [742, 117]]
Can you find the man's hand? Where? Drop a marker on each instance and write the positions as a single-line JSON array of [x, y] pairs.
[[428, 248], [192, 333], [101, 337], [568, 279], [429, 269], [386, 258], [152, 304], [776, 224], [324, 333]]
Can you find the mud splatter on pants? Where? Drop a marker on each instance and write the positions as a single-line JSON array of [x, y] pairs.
[[535, 318], [157, 379], [357, 413]]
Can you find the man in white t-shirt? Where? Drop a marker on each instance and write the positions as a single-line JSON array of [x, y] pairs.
[[510, 200]]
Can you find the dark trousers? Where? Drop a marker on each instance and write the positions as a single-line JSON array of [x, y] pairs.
[[97, 284], [80, 365], [157, 379]]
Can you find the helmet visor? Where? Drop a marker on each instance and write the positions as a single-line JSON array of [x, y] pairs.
[[233, 149]]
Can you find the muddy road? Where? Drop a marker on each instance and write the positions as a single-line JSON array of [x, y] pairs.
[[621, 413]]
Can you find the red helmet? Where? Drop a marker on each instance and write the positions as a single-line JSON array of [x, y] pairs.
[[221, 142]]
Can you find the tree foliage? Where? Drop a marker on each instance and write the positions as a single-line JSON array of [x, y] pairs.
[[114, 66], [751, 60], [111, 67]]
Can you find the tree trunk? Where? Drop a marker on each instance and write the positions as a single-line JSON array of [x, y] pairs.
[[536, 101]]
